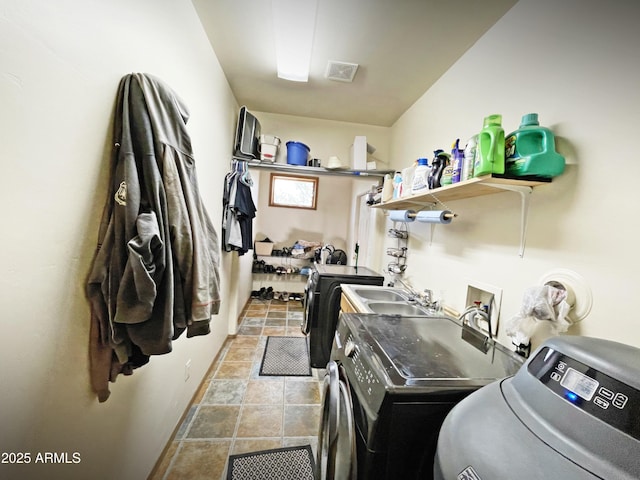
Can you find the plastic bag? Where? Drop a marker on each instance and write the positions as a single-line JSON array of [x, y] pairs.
[[539, 304], [305, 249]]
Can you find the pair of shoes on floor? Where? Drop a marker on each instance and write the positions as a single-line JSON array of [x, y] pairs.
[[282, 296], [285, 296], [286, 270], [263, 293]]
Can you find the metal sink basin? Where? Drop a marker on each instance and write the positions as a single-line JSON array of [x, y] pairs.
[[396, 308], [381, 294], [384, 301]]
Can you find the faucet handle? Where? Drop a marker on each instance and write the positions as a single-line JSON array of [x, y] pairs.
[[427, 295]]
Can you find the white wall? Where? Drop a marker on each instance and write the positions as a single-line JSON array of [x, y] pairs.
[[575, 63], [60, 67]]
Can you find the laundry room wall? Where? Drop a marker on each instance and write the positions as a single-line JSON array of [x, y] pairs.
[[61, 63], [332, 221], [572, 63]]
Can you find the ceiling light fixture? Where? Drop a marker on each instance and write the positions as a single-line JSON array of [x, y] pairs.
[[294, 23]]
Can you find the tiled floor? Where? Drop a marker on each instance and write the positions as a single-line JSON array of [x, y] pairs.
[[239, 411]]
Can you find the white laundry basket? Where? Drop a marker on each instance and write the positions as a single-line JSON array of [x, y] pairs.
[[269, 145]]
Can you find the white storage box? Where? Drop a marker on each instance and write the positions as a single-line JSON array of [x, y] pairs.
[[360, 150], [263, 248]]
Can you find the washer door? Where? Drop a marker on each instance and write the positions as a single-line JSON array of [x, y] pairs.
[[336, 439], [309, 300]]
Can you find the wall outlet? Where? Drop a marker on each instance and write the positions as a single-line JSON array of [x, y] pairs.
[[187, 370], [488, 295]]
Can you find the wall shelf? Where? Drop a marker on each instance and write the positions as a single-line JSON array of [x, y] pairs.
[[474, 187], [301, 169]]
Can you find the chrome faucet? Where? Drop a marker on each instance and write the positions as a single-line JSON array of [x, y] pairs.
[[472, 320], [413, 294], [424, 298]]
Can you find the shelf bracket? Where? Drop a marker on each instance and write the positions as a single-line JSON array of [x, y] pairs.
[[525, 197]]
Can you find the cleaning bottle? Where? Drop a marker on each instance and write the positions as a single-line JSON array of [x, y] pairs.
[[490, 154], [469, 158], [407, 179], [387, 188], [421, 177], [457, 160], [440, 160], [531, 150], [447, 174], [397, 185]]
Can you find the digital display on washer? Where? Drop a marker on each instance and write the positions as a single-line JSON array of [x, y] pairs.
[[579, 384], [588, 389]]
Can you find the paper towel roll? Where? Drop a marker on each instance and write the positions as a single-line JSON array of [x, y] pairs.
[[402, 215], [434, 216]]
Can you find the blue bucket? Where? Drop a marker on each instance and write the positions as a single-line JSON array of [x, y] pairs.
[[297, 153]]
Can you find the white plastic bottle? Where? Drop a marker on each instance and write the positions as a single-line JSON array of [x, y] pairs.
[[387, 188], [421, 176], [469, 158], [397, 185], [407, 180]]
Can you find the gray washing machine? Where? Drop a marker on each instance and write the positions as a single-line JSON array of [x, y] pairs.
[[322, 305], [389, 385], [572, 412]]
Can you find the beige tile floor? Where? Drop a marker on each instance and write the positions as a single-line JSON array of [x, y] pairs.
[[237, 410]]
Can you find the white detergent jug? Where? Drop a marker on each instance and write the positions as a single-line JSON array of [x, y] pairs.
[[421, 177]]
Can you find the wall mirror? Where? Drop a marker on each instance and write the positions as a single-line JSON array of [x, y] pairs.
[[293, 191]]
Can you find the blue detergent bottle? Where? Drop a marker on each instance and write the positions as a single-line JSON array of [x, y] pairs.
[[531, 150], [490, 150]]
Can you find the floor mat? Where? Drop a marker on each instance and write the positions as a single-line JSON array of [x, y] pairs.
[[278, 464], [286, 356]]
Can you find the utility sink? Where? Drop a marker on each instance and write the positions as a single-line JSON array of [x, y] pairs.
[[384, 300], [384, 294], [397, 308]]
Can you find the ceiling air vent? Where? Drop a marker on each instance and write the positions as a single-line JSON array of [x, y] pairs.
[[341, 71]]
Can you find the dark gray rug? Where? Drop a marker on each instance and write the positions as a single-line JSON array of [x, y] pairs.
[[292, 463], [286, 356]]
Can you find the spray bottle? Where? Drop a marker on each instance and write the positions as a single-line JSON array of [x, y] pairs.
[[469, 158], [457, 160], [440, 161]]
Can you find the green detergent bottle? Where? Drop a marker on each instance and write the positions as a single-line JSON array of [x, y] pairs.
[[490, 150], [531, 150]]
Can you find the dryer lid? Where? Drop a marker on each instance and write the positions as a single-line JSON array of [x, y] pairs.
[[345, 270], [424, 350]]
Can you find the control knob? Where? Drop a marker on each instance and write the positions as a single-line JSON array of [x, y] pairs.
[[349, 348]]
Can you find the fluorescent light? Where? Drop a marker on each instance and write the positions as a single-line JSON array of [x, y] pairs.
[[294, 23]]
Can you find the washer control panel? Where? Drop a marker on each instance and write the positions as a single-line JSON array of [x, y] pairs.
[[354, 357], [594, 392], [363, 373]]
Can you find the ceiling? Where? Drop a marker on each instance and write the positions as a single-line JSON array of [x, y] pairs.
[[402, 47]]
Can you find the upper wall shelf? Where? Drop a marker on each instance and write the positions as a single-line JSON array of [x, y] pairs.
[[473, 187], [285, 167]]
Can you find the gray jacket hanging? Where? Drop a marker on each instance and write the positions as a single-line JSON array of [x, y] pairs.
[[155, 273]]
